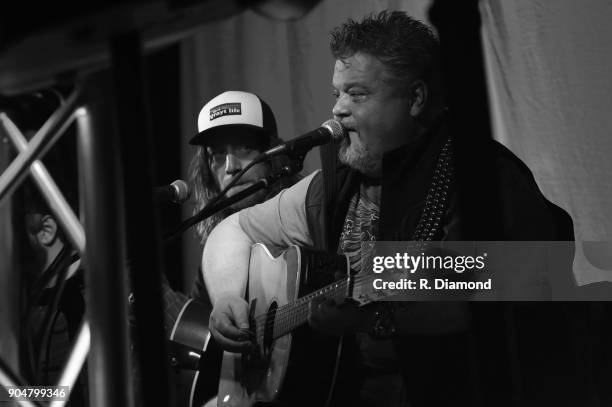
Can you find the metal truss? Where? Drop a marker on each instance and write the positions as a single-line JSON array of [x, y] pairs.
[[28, 162], [13, 176]]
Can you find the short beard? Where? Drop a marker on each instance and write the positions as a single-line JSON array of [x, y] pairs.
[[360, 158]]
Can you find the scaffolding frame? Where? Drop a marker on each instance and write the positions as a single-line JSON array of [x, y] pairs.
[[107, 164]]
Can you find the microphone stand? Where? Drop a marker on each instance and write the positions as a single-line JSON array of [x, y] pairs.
[[296, 165]]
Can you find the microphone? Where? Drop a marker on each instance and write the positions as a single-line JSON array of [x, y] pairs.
[[177, 192], [329, 131]]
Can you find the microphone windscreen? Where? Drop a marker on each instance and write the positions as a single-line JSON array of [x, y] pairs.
[[335, 128], [182, 190]]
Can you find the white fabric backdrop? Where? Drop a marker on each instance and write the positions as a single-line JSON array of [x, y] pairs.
[[548, 63]]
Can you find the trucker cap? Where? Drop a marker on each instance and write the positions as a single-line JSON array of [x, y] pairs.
[[234, 109]]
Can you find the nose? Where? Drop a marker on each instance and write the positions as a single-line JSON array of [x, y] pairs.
[[341, 109], [232, 164]]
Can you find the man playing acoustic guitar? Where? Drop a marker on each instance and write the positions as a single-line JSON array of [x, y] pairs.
[[388, 100], [233, 128]]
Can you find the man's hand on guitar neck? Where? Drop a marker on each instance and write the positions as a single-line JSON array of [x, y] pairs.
[[229, 324]]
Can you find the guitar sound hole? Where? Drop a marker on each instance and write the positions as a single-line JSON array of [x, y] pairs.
[[268, 333]]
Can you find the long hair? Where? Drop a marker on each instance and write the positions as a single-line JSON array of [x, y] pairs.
[[204, 188]]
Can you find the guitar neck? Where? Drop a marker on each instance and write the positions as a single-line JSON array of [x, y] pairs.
[[291, 316], [314, 268]]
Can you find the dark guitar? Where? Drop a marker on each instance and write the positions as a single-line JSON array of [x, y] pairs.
[[196, 359]]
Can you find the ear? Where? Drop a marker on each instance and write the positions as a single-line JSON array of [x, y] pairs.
[[47, 235], [418, 96]]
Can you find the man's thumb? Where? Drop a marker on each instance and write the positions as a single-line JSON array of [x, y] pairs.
[[240, 311]]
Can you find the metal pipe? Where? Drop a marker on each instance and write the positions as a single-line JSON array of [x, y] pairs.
[[75, 362], [10, 281], [142, 226], [58, 204], [42, 141], [101, 192]]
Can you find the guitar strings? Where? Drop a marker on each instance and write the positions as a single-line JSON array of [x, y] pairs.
[[292, 315], [290, 308], [287, 317], [284, 315]]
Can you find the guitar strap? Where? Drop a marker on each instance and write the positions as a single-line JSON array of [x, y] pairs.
[[437, 197]]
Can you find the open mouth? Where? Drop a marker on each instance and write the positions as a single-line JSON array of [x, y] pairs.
[[350, 135]]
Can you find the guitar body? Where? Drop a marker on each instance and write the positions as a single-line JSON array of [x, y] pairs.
[[295, 369], [195, 356]]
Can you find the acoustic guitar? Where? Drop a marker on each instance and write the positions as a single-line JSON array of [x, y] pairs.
[[291, 364]]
